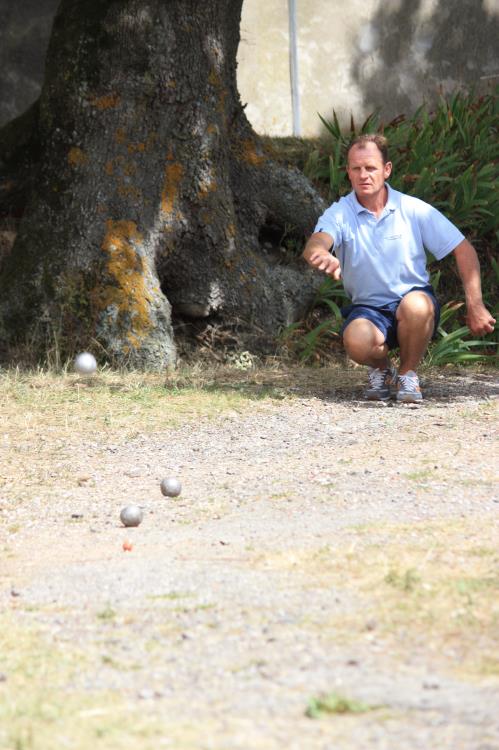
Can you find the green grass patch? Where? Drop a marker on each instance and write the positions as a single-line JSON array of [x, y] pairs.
[[170, 596], [108, 613], [406, 581], [335, 703]]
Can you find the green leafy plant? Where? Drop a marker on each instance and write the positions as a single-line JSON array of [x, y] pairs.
[[452, 347], [334, 703], [407, 581], [315, 337], [448, 157]]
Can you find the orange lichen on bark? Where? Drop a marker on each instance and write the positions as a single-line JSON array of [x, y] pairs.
[[127, 270], [151, 140], [77, 157], [118, 163], [214, 79], [173, 176], [120, 135], [105, 102], [129, 191], [221, 103], [133, 148], [130, 168], [250, 154]]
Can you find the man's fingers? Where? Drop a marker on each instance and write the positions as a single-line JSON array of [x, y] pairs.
[[481, 328], [326, 263], [323, 264], [330, 269], [320, 261]]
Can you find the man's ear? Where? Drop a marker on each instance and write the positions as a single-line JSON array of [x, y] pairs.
[[388, 168]]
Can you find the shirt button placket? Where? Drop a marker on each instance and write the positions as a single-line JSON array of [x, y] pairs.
[[378, 236]]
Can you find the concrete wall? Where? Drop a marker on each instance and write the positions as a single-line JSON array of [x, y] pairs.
[[363, 55], [354, 56]]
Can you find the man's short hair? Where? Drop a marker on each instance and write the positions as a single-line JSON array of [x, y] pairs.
[[379, 140]]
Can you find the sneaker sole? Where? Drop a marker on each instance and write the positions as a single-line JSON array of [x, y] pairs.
[[409, 398]]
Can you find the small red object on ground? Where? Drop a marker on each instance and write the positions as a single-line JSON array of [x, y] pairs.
[[127, 546]]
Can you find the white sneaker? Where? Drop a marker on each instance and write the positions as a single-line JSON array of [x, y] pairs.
[[381, 383], [408, 388]]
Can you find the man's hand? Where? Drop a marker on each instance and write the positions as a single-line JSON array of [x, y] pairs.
[[327, 263], [317, 254], [479, 320]]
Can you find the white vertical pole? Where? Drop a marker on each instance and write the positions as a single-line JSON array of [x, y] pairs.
[[293, 68]]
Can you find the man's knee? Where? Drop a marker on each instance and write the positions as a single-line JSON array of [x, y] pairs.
[[361, 337], [416, 306]]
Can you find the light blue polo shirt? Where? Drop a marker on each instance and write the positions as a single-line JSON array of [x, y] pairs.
[[382, 259]]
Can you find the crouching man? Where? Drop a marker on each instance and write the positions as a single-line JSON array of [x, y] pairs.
[[374, 239]]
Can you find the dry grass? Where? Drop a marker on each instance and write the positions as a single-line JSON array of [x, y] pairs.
[[40, 708], [433, 586], [110, 401], [428, 588], [46, 416], [115, 402]]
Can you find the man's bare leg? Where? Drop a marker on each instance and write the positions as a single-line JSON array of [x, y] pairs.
[[416, 320], [365, 344]]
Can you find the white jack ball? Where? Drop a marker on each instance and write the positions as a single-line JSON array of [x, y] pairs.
[[85, 363], [171, 487], [131, 515]]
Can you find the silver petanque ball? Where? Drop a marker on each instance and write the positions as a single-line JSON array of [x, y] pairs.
[[171, 487], [85, 363], [131, 515]]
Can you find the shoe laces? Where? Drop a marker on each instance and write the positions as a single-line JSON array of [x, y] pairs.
[[377, 377], [409, 381]]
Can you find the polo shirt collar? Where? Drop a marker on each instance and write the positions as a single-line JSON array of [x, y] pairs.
[[391, 201]]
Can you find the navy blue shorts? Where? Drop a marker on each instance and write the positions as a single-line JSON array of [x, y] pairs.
[[385, 318]]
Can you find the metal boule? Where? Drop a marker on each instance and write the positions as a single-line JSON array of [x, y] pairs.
[[171, 487], [131, 515], [85, 363]]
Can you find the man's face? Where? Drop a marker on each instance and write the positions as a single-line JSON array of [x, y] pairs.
[[366, 170]]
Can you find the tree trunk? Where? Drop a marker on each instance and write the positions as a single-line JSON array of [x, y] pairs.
[[152, 191]]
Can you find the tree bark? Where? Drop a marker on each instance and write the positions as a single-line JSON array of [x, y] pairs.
[[151, 190]]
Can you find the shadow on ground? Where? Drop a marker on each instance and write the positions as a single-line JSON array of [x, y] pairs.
[[340, 384]]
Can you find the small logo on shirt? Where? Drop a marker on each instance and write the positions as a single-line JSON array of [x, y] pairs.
[[393, 237]]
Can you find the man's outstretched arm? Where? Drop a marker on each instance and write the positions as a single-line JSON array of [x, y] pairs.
[[478, 318], [317, 254]]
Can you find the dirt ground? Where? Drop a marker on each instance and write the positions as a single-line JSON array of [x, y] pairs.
[[327, 579]]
